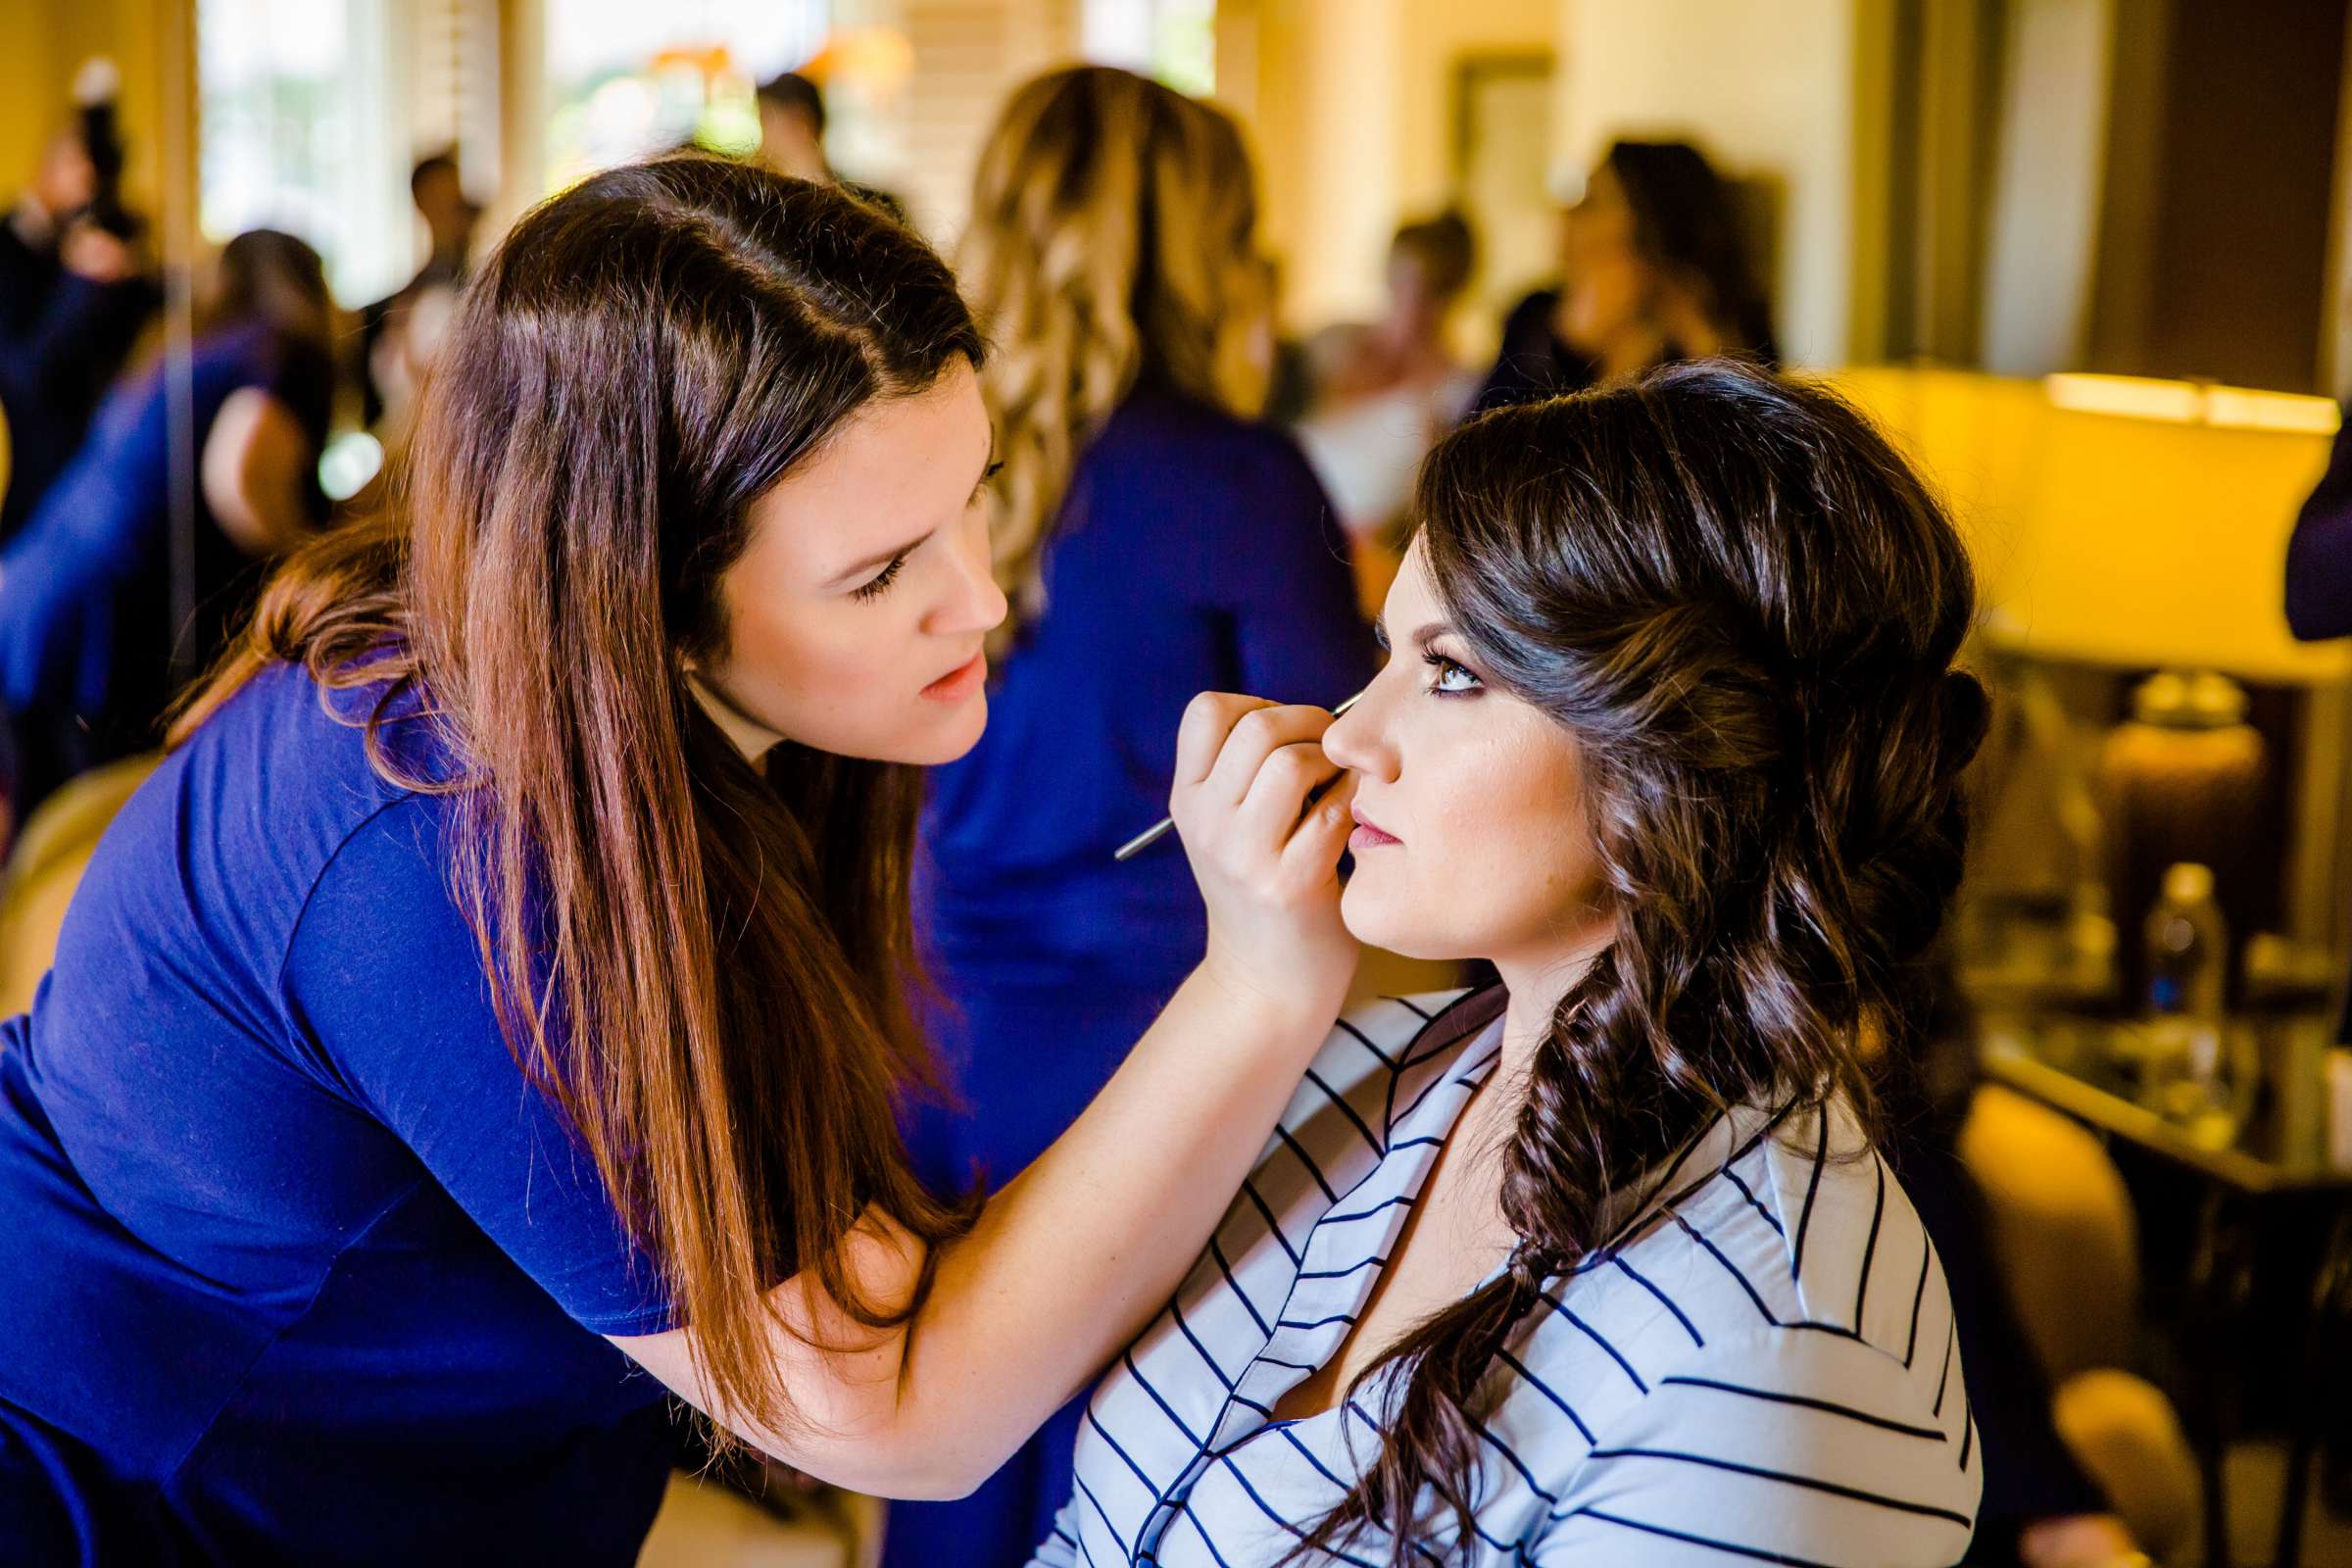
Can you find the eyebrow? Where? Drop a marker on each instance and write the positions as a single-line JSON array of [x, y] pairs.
[[1422, 638]]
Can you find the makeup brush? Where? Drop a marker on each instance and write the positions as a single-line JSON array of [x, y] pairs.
[[1159, 829]]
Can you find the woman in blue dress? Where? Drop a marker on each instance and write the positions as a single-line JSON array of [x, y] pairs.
[[89, 635], [487, 1022], [1155, 543]]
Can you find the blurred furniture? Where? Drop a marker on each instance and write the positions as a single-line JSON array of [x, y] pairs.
[[2123, 526], [2273, 1179], [2061, 1228], [46, 866], [703, 1525]]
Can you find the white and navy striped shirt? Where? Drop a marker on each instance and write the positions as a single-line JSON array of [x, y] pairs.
[[1760, 1366]]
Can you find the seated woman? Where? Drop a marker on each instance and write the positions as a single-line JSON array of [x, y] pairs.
[[1600, 1265]]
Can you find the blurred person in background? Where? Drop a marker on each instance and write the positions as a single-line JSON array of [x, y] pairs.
[[74, 292], [450, 217], [89, 639], [792, 138], [1386, 391], [1155, 542], [1653, 269]]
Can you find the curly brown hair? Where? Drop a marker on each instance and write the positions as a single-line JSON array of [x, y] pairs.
[[1746, 606]]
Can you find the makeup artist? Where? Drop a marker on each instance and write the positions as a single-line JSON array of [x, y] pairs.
[[489, 1017], [1155, 543]]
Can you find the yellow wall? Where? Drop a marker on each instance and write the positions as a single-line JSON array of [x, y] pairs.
[[1349, 106]]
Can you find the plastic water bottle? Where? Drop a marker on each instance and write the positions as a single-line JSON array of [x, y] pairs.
[[2187, 1074], [2189, 947]]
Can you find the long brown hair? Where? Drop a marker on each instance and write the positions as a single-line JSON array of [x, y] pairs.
[[1110, 239], [707, 967], [1746, 607]]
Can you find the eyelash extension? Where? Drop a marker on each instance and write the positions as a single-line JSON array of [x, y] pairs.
[[1440, 664], [881, 583]]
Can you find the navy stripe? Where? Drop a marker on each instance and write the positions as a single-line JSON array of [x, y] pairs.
[[1263, 1508], [1312, 1170], [1320, 1323], [1797, 1263], [1365, 1040], [1176, 1309], [1518, 1464], [1788, 1478], [1216, 1250], [1950, 1331], [1342, 1273], [1165, 1408], [1824, 1405], [1770, 1219], [1870, 1248], [1141, 1474], [1427, 1088], [1308, 1454], [1716, 1253], [1273, 1225], [1919, 1293], [1367, 1213], [1561, 1307], [1425, 1017], [1664, 1299], [1545, 1389], [1202, 1531], [1346, 1109], [1731, 1546], [1087, 1491]]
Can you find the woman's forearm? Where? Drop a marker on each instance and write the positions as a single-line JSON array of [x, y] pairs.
[[1071, 1259], [1065, 1265], [1069, 1262]]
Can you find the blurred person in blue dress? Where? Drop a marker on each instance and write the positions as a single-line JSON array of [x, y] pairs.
[[74, 292], [91, 638], [1155, 542]]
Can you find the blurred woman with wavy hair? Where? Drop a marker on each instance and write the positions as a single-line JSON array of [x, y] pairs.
[[1154, 543]]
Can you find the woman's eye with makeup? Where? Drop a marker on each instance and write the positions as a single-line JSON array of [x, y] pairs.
[[1450, 680], [879, 584]]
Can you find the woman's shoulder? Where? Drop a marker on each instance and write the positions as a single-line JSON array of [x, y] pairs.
[[288, 749], [1780, 1319], [1199, 442]]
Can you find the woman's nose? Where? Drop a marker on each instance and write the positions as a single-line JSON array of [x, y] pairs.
[[975, 603], [1354, 739]]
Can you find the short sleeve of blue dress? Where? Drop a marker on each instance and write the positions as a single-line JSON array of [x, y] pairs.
[[383, 981], [307, 1270]]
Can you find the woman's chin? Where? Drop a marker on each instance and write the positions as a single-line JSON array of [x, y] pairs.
[[1376, 922]]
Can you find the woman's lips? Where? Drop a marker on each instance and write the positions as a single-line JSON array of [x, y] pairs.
[[1369, 835], [961, 682]]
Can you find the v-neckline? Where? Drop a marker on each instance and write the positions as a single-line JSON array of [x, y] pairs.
[[1409, 1169]]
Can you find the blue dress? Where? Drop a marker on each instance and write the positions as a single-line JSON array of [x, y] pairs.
[[301, 1268], [88, 633], [1196, 552]]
